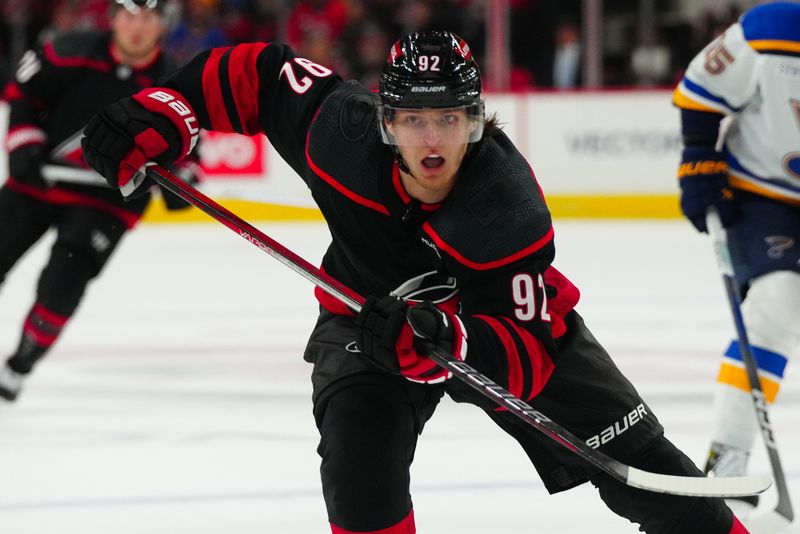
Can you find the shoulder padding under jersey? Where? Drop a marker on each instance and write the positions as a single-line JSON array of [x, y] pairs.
[[773, 27], [344, 146], [496, 214], [71, 48]]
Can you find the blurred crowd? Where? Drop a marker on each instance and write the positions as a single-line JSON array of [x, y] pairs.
[[353, 36]]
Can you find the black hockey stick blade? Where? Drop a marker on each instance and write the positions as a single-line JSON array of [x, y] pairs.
[[779, 517], [676, 485]]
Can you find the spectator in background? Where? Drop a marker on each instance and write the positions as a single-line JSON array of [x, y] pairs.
[[416, 15], [369, 55], [198, 30], [533, 38], [651, 64], [314, 22], [20, 24], [319, 48], [364, 42], [567, 58], [246, 21], [76, 15]]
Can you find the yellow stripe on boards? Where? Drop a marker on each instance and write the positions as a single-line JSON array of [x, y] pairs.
[[737, 377], [614, 206], [246, 209]]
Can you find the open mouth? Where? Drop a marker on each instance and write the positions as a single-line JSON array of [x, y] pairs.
[[433, 162]]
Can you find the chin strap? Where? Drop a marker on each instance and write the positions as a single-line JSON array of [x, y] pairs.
[[401, 163]]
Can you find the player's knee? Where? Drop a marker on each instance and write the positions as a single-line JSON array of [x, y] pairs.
[[367, 443], [658, 513], [63, 281], [364, 422], [771, 312]]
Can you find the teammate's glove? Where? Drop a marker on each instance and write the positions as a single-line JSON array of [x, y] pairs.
[[152, 125], [703, 177], [397, 337], [26, 154]]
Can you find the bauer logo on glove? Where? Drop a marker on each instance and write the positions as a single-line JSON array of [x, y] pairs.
[[154, 125]]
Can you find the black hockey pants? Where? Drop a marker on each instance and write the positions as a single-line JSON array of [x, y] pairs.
[[369, 423]]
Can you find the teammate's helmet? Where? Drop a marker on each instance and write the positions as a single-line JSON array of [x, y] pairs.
[[135, 5], [431, 70]]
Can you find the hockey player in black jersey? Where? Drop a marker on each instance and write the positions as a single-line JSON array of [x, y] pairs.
[[434, 213], [57, 89]]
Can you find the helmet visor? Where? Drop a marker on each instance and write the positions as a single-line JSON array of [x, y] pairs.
[[431, 126]]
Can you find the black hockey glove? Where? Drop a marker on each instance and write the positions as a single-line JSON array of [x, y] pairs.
[[703, 176], [152, 125], [397, 337], [25, 165]]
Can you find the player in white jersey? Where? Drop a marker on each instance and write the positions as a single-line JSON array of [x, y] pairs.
[[740, 111]]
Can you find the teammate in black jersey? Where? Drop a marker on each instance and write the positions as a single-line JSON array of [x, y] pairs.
[[57, 89], [435, 214]]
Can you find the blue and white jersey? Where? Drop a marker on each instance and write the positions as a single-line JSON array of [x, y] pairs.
[[752, 74]]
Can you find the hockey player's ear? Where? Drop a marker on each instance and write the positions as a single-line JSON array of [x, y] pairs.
[[389, 127]]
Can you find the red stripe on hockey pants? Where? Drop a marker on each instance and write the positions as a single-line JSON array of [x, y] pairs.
[[406, 526]]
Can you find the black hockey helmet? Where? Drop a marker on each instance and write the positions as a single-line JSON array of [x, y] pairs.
[[431, 70]]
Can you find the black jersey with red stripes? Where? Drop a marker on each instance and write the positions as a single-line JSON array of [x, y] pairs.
[[58, 88], [493, 234]]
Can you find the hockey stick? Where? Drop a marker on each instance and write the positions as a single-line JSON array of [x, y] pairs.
[[672, 484], [778, 518], [75, 175]]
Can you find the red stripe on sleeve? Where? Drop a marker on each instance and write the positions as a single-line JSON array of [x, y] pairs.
[[212, 91], [567, 297], [54, 195], [75, 61], [541, 364], [459, 336], [514, 365], [243, 76]]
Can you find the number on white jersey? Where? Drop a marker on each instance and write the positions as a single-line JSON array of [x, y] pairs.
[[718, 58]]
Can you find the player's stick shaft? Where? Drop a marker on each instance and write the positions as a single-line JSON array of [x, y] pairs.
[[719, 239]]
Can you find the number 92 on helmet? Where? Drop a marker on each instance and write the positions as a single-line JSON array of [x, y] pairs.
[[430, 92]]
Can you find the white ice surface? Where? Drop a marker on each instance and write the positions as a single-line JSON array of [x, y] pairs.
[[177, 401]]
